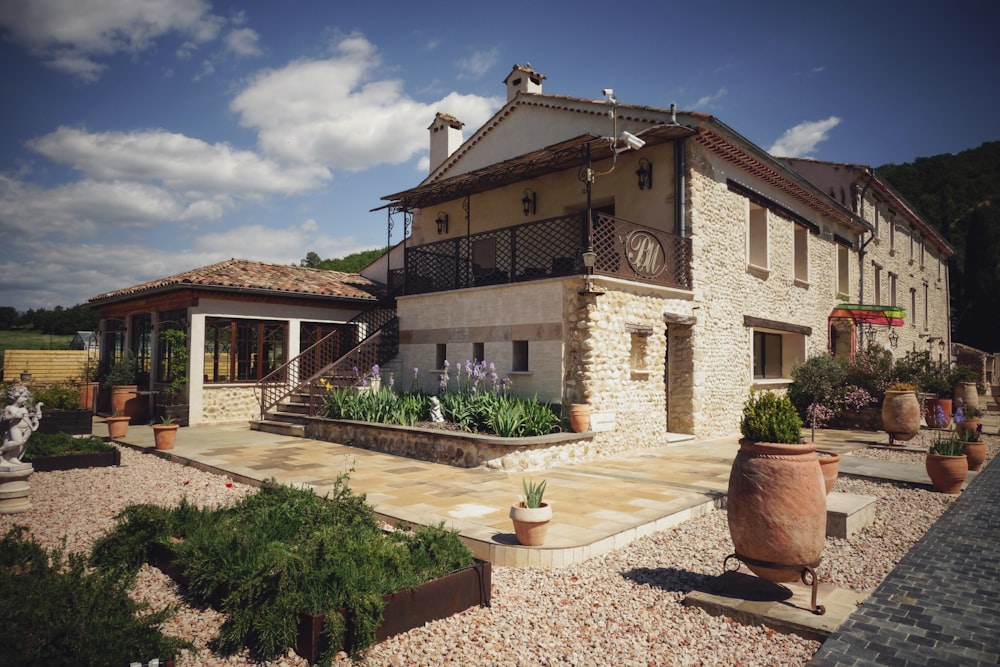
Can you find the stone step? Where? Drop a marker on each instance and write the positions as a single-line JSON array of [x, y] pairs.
[[279, 427], [847, 513]]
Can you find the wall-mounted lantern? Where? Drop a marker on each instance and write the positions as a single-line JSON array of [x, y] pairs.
[[529, 202], [645, 174], [442, 223]]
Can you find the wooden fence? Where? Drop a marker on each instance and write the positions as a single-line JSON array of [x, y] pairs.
[[45, 366]]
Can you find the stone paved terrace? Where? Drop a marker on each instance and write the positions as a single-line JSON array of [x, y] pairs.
[[941, 605]]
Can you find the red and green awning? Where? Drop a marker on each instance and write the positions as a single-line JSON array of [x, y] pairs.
[[887, 316]]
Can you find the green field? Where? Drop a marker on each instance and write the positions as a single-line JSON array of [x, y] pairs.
[[29, 339]]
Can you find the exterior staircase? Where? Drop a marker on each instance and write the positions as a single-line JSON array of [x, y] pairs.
[[293, 393]]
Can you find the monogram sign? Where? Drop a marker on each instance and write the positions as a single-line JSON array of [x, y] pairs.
[[644, 254]]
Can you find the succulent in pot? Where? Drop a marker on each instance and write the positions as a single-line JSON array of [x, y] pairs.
[[531, 515]]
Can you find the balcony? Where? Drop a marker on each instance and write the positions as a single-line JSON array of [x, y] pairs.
[[547, 249]]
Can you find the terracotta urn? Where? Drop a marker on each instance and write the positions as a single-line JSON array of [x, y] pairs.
[[829, 463], [777, 508], [531, 523], [934, 417], [901, 414], [975, 455], [968, 394], [947, 473], [579, 417]]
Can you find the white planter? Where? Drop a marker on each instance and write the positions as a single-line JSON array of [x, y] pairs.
[[531, 523]]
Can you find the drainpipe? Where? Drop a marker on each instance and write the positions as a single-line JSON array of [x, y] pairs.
[[861, 251], [680, 183]]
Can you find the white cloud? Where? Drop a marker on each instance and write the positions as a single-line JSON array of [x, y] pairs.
[[243, 42], [331, 112], [72, 36], [191, 167], [709, 101], [802, 139], [278, 245], [478, 64]]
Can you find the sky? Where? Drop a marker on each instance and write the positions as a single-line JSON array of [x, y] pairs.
[[143, 138]]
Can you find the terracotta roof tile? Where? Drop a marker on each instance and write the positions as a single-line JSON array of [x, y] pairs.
[[253, 276]]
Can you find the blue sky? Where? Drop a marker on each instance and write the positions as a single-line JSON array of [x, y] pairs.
[[144, 138]]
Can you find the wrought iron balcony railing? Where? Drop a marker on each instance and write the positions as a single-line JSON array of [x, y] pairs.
[[546, 249]]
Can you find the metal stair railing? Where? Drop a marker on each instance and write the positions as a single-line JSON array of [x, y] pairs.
[[321, 359]]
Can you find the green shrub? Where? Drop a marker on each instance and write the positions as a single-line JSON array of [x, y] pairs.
[[284, 550], [768, 417], [58, 444], [59, 612], [57, 396]]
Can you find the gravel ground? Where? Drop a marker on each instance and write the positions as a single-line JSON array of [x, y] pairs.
[[623, 608]]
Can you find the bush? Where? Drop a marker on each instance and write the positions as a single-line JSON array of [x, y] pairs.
[[768, 417], [283, 551], [56, 612], [57, 396]]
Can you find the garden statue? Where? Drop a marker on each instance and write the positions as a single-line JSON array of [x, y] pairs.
[[22, 420], [436, 415]]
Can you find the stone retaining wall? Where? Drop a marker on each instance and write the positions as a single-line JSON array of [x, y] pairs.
[[464, 450]]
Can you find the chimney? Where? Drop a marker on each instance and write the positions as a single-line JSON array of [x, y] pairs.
[[523, 79], [446, 136]]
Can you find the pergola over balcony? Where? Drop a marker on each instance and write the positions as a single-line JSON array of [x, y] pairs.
[[546, 249]]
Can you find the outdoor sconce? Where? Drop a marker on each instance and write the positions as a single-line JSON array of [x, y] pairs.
[[589, 260], [645, 174], [529, 201], [442, 223]]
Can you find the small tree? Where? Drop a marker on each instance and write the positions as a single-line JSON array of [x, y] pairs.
[[818, 378]]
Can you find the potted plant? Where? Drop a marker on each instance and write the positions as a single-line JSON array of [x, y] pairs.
[[117, 425], [776, 502], [62, 410], [531, 516], [164, 433], [901, 411], [969, 429], [124, 390], [173, 396], [87, 384], [946, 463], [937, 409]]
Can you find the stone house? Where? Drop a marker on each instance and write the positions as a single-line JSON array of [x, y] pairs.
[[651, 263]]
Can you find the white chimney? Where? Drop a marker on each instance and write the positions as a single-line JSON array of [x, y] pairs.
[[446, 137], [523, 79]]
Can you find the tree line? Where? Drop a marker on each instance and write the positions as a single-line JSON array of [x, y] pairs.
[[58, 322]]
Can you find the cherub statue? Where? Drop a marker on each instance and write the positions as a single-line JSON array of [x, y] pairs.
[[436, 415], [22, 420]]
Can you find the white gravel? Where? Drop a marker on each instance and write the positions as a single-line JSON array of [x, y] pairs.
[[623, 608]]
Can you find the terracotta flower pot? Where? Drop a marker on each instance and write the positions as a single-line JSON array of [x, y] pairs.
[[531, 523], [829, 463], [579, 417], [947, 473], [975, 455], [937, 418], [88, 395], [118, 427], [164, 435], [777, 508], [901, 414]]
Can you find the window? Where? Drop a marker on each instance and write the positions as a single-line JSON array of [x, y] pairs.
[[637, 351], [519, 356], [913, 307], [923, 247], [877, 271], [892, 234], [243, 350], [912, 235], [927, 307], [843, 270], [892, 289], [757, 236], [766, 355], [440, 355], [876, 221], [801, 253], [478, 352]]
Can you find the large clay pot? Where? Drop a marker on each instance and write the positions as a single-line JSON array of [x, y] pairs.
[[937, 418], [777, 508], [579, 417], [829, 463], [88, 395], [968, 425], [164, 435], [125, 401], [975, 455], [901, 414], [968, 394], [947, 473], [531, 523]]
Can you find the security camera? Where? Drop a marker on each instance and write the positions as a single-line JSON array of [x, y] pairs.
[[632, 141], [609, 93]]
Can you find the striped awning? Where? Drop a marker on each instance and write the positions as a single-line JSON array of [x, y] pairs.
[[888, 316]]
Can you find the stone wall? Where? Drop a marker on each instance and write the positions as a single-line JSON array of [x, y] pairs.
[[228, 403]]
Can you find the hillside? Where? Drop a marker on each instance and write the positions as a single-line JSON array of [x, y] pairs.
[[959, 194]]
